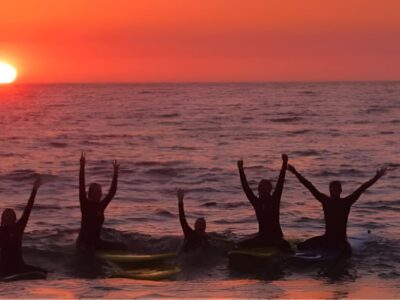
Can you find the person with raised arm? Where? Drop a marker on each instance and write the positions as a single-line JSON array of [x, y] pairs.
[[193, 239], [336, 213], [267, 209], [11, 233], [92, 209]]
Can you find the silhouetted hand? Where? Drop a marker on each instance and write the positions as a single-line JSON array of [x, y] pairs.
[[116, 166], [292, 169], [285, 158], [180, 194], [83, 159], [380, 172], [240, 164], [37, 183]]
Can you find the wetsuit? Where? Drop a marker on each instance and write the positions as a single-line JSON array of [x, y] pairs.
[[193, 240], [11, 260], [336, 213], [93, 217], [267, 213]]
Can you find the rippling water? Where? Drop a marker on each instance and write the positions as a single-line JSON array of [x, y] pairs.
[[190, 136]]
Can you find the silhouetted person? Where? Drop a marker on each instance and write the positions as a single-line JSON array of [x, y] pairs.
[[336, 212], [92, 209], [11, 233], [267, 208], [194, 239]]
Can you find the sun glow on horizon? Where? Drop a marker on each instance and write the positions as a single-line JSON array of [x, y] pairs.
[[8, 73]]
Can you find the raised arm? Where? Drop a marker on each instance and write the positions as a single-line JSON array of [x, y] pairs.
[[113, 188], [281, 180], [185, 226], [247, 190], [25, 215], [82, 189], [317, 194], [358, 192]]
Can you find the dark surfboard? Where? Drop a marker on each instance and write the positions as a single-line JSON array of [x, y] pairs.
[[25, 276]]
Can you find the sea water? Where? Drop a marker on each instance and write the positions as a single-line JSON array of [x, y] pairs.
[[190, 136]]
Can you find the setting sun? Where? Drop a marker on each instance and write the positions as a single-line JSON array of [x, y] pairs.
[[7, 73]]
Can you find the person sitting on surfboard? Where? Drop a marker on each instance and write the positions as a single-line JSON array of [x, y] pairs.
[[336, 213], [194, 239], [267, 208], [11, 232], [92, 209]]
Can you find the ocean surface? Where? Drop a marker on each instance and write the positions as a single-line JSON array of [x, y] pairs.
[[190, 136]]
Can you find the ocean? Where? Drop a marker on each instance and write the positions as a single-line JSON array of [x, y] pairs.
[[190, 136]]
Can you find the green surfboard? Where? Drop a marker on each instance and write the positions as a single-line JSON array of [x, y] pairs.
[[264, 252], [130, 260], [148, 274], [255, 258]]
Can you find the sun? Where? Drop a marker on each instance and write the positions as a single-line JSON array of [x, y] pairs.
[[7, 73]]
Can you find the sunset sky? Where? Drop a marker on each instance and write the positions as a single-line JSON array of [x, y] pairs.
[[188, 40]]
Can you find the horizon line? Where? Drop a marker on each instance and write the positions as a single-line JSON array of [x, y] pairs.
[[204, 82]]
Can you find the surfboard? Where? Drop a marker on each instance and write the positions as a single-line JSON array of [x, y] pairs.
[[25, 276], [317, 256], [129, 260], [129, 257], [262, 252], [149, 274], [255, 258], [329, 262]]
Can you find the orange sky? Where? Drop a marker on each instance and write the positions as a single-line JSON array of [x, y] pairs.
[[188, 40]]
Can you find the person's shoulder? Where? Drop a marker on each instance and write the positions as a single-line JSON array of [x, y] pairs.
[[326, 197]]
